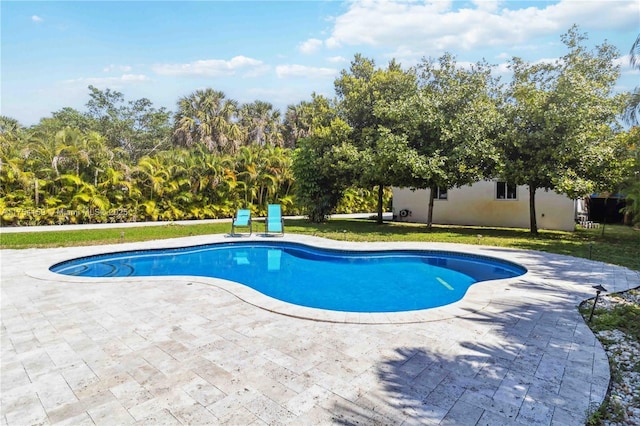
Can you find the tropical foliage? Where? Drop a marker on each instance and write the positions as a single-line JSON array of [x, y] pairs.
[[632, 111], [438, 125], [631, 183], [56, 174]]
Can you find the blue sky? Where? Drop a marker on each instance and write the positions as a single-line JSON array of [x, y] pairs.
[[279, 52]]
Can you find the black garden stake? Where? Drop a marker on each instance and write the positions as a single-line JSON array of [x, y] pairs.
[[599, 289]]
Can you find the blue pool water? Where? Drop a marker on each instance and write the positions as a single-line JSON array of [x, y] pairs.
[[352, 281]]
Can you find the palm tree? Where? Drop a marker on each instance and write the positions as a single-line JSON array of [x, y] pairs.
[[117, 185], [279, 167], [12, 160], [151, 174], [50, 152], [261, 123], [297, 123], [208, 182], [303, 119], [206, 117], [632, 112], [247, 174], [178, 196], [9, 126], [81, 198]]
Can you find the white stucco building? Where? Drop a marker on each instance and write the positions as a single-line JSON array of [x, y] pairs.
[[486, 203]]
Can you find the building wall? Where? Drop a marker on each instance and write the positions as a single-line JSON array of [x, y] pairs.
[[477, 205]]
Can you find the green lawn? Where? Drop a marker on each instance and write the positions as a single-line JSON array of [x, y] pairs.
[[619, 245]]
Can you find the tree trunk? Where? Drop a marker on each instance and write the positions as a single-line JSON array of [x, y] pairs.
[[432, 195], [533, 224], [604, 218], [380, 196]]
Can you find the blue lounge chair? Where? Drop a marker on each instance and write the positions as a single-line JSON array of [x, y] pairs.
[[274, 221], [242, 219]]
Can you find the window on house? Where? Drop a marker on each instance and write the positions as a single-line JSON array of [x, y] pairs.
[[505, 191], [441, 193]]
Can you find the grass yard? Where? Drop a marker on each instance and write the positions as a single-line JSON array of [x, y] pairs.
[[619, 245]]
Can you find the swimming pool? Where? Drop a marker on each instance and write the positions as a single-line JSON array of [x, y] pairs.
[[339, 280]]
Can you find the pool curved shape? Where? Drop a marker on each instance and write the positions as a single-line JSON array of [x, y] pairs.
[[338, 280]]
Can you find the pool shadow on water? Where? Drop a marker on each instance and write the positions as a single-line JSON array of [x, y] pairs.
[[526, 362]]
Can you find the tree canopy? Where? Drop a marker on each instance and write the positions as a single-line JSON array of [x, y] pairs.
[[450, 124], [364, 92], [561, 116], [438, 125]]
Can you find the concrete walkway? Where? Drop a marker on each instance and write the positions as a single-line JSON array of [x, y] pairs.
[[191, 350]]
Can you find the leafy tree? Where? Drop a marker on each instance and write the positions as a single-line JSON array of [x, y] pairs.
[[451, 123], [302, 119], [357, 97], [559, 114], [65, 118], [606, 167], [323, 163], [135, 126], [390, 161], [53, 153], [363, 91]]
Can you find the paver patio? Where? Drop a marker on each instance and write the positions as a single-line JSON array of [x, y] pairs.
[[191, 350]]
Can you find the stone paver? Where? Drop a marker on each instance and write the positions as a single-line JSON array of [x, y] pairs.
[[190, 350]]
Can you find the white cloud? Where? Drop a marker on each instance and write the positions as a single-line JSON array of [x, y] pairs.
[[337, 59], [624, 62], [37, 19], [109, 81], [435, 26], [134, 77], [310, 46], [626, 69], [256, 71], [213, 67], [294, 70], [406, 54], [595, 14], [121, 68]]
